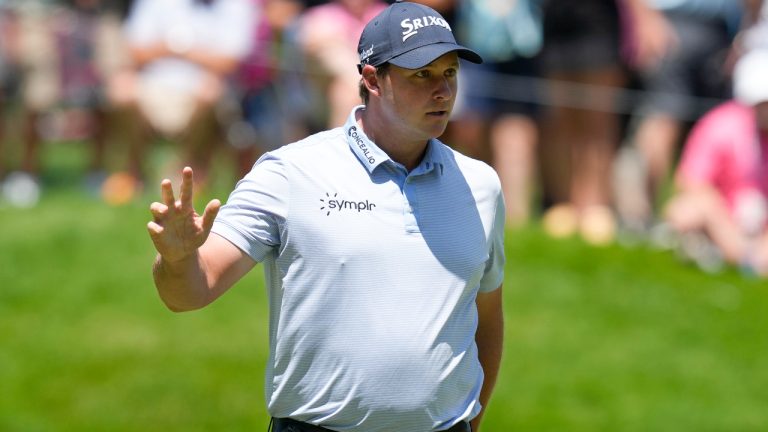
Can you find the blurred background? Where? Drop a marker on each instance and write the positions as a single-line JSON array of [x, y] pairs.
[[636, 237]]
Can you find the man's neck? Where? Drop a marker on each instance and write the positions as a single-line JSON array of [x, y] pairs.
[[407, 152]]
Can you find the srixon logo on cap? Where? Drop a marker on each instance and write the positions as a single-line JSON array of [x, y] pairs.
[[412, 26]]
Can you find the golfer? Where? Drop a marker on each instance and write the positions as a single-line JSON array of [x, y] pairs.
[[383, 250]]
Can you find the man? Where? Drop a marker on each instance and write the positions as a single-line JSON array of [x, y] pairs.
[[721, 196], [678, 82], [383, 250], [183, 54]]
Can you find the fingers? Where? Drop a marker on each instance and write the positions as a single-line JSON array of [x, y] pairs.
[[154, 229], [158, 210], [166, 192], [185, 194], [209, 215]]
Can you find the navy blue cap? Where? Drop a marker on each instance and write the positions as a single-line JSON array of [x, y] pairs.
[[409, 35]]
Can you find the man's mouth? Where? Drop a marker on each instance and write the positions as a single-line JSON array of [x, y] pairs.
[[437, 113]]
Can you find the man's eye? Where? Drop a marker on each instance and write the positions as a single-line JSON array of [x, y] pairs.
[[423, 74], [451, 72]]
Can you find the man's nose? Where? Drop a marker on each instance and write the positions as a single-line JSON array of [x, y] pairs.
[[445, 88]]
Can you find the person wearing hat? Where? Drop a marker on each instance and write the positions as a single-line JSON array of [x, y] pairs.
[[722, 179], [383, 250]]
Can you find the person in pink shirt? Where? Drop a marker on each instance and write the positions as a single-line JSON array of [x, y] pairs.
[[722, 179], [328, 35]]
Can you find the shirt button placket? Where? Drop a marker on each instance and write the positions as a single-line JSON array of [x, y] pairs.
[[409, 212]]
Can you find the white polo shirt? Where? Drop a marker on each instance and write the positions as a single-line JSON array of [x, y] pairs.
[[372, 275]]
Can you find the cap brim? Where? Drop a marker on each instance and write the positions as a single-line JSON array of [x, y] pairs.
[[422, 56]]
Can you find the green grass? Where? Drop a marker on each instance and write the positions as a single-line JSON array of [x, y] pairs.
[[608, 339]]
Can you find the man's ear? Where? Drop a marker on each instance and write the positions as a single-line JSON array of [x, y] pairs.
[[370, 79]]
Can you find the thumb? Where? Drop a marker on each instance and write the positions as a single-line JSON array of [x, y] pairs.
[[209, 214]]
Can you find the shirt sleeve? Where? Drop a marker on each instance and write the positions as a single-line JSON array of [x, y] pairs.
[[494, 268], [256, 210]]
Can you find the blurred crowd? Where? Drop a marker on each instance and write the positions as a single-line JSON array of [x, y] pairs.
[[613, 120]]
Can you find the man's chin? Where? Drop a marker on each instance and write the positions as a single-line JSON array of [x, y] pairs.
[[438, 130]]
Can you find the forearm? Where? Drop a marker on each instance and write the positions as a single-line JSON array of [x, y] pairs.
[[182, 285], [489, 339], [490, 358], [219, 65], [142, 55]]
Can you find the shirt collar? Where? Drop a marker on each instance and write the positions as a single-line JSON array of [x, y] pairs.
[[371, 155], [433, 159]]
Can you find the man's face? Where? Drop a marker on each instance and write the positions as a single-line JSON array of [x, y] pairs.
[[418, 102], [761, 115]]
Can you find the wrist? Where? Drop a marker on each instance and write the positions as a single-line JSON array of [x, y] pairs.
[[174, 264]]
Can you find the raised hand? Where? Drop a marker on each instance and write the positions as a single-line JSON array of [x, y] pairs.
[[177, 230]]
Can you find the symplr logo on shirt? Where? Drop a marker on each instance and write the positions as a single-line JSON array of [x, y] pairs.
[[332, 203]]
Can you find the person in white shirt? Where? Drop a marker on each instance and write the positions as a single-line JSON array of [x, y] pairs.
[[183, 52]]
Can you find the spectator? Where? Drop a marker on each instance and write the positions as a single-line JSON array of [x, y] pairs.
[[34, 46], [328, 35], [719, 206], [8, 33], [183, 53], [59, 51], [254, 121], [676, 86], [267, 84], [581, 53], [499, 110]]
